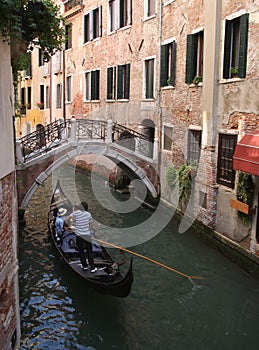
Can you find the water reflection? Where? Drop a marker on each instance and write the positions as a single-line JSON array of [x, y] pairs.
[[163, 311]]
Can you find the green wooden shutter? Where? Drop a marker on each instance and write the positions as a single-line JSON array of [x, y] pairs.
[[97, 85], [164, 65], [127, 92], [120, 82], [174, 63], [109, 83], [189, 74], [100, 20], [243, 45], [92, 86], [227, 48]]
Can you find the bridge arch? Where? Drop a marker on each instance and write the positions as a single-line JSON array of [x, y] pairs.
[[113, 152]]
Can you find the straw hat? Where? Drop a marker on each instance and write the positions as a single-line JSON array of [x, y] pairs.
[[62, 212]]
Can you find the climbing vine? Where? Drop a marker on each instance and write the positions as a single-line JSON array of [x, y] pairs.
[[245, 191]]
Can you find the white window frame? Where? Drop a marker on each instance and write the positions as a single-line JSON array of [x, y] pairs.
[[146, 6], [87, 84], [129, 2], [144, 78], [115, 19]]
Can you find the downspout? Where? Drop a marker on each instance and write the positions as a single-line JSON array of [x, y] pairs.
[[64, 86], [160, 126], [50, 91]]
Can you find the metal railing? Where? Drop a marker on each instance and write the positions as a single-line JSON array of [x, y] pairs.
[[45, 138]]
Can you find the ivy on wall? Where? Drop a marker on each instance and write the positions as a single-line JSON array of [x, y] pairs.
[[245, 192]]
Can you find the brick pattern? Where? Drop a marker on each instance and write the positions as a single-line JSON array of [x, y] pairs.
[[8, 263]]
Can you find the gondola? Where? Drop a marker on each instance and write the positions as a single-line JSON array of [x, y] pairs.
[[108, 279]]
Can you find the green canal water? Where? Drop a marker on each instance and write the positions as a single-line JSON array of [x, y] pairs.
[[164, 310]]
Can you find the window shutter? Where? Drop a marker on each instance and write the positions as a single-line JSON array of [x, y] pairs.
[[120, 82], [130, 12], [92, 86], [243, 45], [127, 92], [109, 83], [100, 20], [174, 63], [189, 59], [226, 64], [91, 24], [164, 65], [97, 85]]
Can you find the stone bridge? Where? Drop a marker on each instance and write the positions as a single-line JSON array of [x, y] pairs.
[[43, 151]]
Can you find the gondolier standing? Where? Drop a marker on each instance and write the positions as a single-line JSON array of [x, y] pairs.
[[83, 225]]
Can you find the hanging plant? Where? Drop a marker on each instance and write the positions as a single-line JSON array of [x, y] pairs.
[[245, 193]]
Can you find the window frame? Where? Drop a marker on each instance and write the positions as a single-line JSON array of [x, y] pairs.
[[147, 80], [58, 95], [69, 39], [93, 24], [167, 140], [69, 89], [149, 10], [168, 63], [47, 96], [123, 81], [124, 13], [230, 46], [194, 56], [111, 83], [112, 16], [194, 145], [225, 155]]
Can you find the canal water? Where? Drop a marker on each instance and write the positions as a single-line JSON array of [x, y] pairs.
[[164, 310]]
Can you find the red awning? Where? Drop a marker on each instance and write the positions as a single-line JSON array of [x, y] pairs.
[[246, 156]]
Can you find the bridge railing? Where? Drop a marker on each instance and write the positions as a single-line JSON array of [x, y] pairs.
[[42, 140], [73, 130]]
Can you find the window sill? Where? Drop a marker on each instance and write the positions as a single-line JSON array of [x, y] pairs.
[[150, 17], [123, 100], [168, 2], [168, 87], [110, 100], [124, 28], [91, 101], [148, 99], [231, 80], [194, 85]]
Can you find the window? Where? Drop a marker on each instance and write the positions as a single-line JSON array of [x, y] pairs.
[[68, 30], [194, 146], [150, 8], [168, 64], [41, 97], [194, 57], [123, 87], [58, 96], [23, 96], [47, 96], [69, 89], [235, 47], [87, 86], [225, 171], [112, 15], [149, 79], [111, 83], [125, 9], [93, 24], [167, 137], [92, 85], [29, 97], [95, 85], [40, 57]]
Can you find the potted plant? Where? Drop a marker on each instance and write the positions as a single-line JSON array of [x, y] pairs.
[[169, 80], [40, 105], [197, 79], [234, 72]]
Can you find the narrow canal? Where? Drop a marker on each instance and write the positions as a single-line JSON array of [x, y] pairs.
[[164, 310]]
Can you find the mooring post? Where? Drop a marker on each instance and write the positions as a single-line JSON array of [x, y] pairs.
[[73, 130], [155, 149]]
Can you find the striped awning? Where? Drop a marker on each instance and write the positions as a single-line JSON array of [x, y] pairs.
[[246, 155]]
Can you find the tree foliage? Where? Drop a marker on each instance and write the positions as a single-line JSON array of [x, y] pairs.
[[37, 23]]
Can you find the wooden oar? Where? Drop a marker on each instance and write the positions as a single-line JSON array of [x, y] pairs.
[[146, 258]]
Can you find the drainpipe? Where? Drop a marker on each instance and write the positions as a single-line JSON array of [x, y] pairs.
[[159, 90], [50, 90], [64, 86]]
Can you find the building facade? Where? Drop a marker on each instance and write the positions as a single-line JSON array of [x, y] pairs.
[[9, 292], [183, 72]]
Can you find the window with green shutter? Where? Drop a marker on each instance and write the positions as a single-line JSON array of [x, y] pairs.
[[123, 82], [149, 78], [235, 47], [168, 64], [93, 24], [95, 85], [194, 57], [111, 83]]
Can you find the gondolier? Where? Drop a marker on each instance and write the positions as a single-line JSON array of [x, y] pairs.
[[83, 226]]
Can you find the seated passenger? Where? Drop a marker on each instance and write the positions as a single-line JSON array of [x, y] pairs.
[[60, 221]]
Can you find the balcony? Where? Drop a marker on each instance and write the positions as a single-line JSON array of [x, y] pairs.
[[73, 7]]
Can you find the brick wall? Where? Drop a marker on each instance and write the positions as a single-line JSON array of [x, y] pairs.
[[9, 312]]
